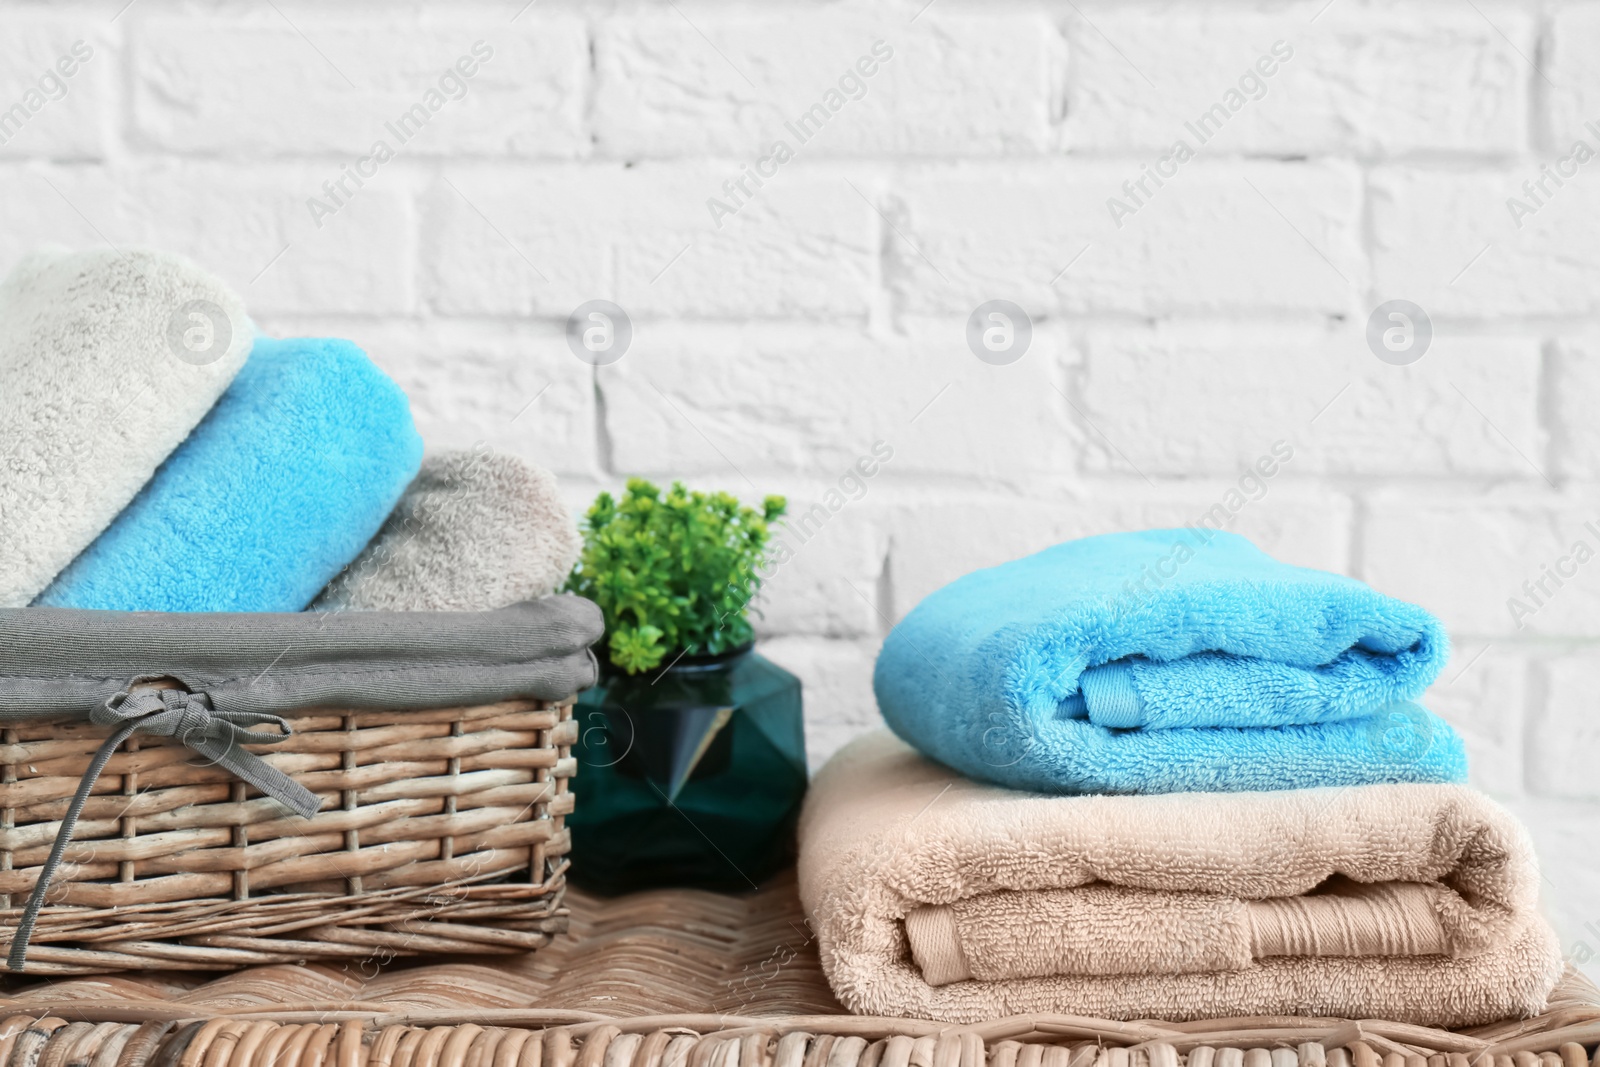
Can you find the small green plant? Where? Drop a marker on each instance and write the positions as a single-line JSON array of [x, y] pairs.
[[673, 573]]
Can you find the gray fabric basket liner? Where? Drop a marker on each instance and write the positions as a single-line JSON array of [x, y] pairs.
[[64, 662]]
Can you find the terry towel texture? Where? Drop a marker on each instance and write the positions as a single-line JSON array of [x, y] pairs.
[[273, 494], [938, 897], [97, 394], [1103, 929], [1164, 661], [56, 661], [476, 530]]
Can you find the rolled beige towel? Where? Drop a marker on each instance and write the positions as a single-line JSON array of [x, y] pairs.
[[937, 897], [475, 531]]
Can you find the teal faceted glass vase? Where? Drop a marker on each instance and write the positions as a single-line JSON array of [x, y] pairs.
[[688, 775]]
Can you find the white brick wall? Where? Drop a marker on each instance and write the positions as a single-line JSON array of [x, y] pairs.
[[1225, 312]]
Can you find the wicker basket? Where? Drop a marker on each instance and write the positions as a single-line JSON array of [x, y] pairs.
[[523, 1039], [440, 832], [337, 1040]]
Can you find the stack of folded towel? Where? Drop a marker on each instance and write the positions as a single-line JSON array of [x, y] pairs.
[[159, 455], [1175, 779]]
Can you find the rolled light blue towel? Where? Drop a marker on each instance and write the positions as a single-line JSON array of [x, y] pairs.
[[273, 493], [1168, 661]]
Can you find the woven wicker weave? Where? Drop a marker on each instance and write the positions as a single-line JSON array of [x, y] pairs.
[[679, 979], [440, 832]]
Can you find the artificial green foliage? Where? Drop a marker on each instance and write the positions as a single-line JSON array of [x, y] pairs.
[[673, 574]]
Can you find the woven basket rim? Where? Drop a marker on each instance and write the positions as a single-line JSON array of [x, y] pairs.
[[862, 1041], [1576, 1018]]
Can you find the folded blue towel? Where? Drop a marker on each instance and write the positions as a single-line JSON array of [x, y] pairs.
[[1165, 661], [279, 487]]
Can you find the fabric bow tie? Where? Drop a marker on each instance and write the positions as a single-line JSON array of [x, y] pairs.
[[189, 717]]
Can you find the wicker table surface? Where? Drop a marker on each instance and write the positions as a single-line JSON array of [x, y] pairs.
[[646, 954], [674, 979]]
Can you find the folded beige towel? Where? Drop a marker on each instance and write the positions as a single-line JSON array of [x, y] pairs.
[[939, 897]]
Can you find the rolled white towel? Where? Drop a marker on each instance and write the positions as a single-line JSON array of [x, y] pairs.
[[107, 360]]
